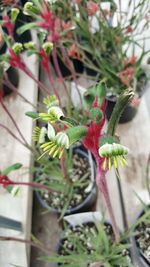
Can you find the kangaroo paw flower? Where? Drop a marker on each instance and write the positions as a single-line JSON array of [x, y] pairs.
[[113, 154]]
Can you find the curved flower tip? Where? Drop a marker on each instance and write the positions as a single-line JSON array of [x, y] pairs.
[[54, 114], [112, 153]]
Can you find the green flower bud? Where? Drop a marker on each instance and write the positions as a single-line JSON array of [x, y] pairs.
[[48, 47], [30, 45], [14, 14], [28, 8], [17, 48], [96, 114]]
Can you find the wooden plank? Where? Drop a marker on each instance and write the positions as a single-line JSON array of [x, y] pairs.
[[11, 151]]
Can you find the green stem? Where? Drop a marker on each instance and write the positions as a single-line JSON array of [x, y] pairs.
[[122, 101]]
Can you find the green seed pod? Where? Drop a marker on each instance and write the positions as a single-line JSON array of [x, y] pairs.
[[17, 48]]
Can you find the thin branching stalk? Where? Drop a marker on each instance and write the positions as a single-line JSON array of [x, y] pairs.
[[24, 241], [102, 185], [39, 83], [51, 81], [12, 134], [13, 121], [34, 185], [72, 70], [14, 89], [58, 71]]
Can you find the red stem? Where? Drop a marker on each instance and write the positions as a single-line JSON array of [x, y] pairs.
[[102, 185], [50, 78], [63, 166], [39, 83], [14, 89], [72, 70], [58, 71], [11, 133], [34, 185], [12, 119], [28, 242]]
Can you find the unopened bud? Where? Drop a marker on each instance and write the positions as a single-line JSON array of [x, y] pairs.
[[17, 48], [48, 47], [14, 14], [28, 8], [29, 45], [96, 114]]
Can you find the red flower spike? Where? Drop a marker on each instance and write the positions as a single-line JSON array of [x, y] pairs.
[[92, 8], [91, 141], [15, 60], [8, 25], [44, 59]]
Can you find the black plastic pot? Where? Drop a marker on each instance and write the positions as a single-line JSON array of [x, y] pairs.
[[65, 71], [13, 77], [127, 115], [12, 74], [26, 36], [89, 71], [90, 201], [139, 255]]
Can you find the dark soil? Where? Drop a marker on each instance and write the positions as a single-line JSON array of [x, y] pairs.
[[143, 239]]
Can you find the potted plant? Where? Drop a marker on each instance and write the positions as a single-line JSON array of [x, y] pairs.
[[74, 174], [107, 51], [88, 240]]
